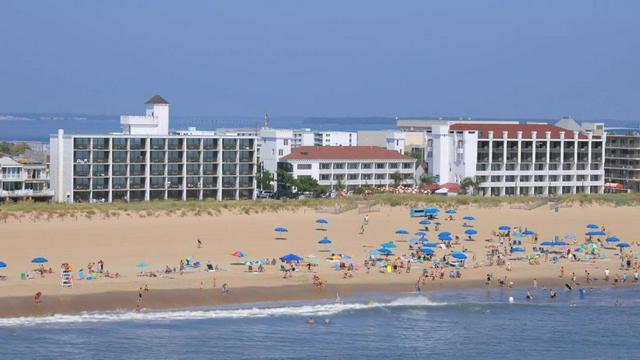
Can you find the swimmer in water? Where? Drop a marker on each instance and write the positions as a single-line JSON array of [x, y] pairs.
[[327, 321], [529, 295], [573, 304], [311, 321]]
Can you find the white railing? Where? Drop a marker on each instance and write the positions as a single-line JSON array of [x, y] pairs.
[[25, 193]]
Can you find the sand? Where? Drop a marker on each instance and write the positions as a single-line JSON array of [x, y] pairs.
[[125, 241]]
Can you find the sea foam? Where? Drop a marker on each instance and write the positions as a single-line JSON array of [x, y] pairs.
[[316, 310]]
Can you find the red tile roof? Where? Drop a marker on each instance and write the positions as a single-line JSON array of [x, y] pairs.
[[344, 153], [513, 129]]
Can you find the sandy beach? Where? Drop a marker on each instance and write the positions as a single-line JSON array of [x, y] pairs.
[[127, 240]]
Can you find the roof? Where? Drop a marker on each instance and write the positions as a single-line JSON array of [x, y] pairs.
[[7, 161], [344, 153], [157, 100], [512, 130]]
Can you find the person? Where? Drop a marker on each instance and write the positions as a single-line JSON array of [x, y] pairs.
[[362, 229], [199, 243], [225, 289], [311, 321], [38, 297], [138, 307], [607, 272], [146, 288], [529, 295], [140, 294], [366, 219], [552, 294], [535, 283], [327, 321]]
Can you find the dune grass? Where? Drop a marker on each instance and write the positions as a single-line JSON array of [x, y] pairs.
[[49, 211]]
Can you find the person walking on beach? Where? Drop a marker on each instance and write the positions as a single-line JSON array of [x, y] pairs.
[[606, 274], [199, 242], [366, 219], [225, 289], [37, 298]]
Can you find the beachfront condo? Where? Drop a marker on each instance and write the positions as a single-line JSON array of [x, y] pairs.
[[350, 166], [146, 161], [622, 160], [21, 180], [509, 158]]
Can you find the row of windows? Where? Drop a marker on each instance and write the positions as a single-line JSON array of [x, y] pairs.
[[161, 143], [327, 177], [159, 169], [162, 182], [355, 166], [538, 178], [161, 156]]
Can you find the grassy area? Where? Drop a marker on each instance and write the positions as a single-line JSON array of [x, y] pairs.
[[48, 211]]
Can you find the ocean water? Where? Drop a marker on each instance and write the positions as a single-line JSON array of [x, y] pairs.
[[478, 324]]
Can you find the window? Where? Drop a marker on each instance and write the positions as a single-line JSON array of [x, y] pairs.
[[303, 166], [381, 166], [339, 166], [393, 165], [352, 177], [338, 176], [280, 152], [381, 176], [352, 166], [367, 166], [407, 165], [325, 177], [325, 166], [285, 142]]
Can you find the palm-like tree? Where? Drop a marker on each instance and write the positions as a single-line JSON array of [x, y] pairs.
[[469, 183]]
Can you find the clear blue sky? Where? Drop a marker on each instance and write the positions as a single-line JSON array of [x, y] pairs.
[[478, 58]]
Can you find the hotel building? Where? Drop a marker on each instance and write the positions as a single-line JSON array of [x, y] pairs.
[[622, 159], [350, 166], [19, 181], [148, 162], [508, 158]]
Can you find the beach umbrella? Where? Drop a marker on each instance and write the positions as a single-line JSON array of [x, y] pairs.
[[39, 260], [388, 245], [321, 221], [459, 255], [623, 245], [291, 257], [504, 228], [613, 239], [470, 218], [424, 222], [593, 226], [142, 265], [528, 232], [595, 233], [325, 241], [431, 211], [238, 253], [444, 233], [560, 243], [429, 245], [384, 251], [517, 249], [451, 211], [3, 264], [547, 243], [569, 236], [470, 232], [428, 251], [281, 230], [402, 232], [420, 233], [374, 252], [445, 238]]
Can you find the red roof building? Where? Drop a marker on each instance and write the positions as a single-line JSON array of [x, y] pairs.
[[513, 129], [344, 153]]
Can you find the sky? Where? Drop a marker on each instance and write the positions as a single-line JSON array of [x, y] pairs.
[[489, 58]]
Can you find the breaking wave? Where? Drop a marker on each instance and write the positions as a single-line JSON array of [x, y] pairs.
[[199, 314]]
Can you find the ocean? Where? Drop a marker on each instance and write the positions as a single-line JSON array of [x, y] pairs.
[[38, 127], [461, 324]]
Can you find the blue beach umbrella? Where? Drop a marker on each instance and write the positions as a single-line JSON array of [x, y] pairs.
[[420, 233], [325, 241], [528, 232], [291, 257], [547, 243], [470, 218], [142, 265], [560, 243], [504, 228], [517, 249], [402, 232], [459, 255], [428, 251], [623, 245], [451, 211], [374, 252], [384, 251], [280, 230], [613, 239], [429, 245], [388, 245], [445, 238], [431, 211], [424, 222], [39, 260], [593, 226], [470, 231], [321, 221], [3, 264], [595, 233], [444, 233]]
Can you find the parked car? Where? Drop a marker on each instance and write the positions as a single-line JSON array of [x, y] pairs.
[[265, 194], [282, 194]]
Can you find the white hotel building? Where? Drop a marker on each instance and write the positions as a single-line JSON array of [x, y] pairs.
[[23, 180], [148, 162], [509, 158], [350, 166]]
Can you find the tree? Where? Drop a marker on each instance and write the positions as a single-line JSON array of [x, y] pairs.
[[309, 184], [426, 179], [13, 149], [469, 184], [265, 179], [285, 179], [397, 178]]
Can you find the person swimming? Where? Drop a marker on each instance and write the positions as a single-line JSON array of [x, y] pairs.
[[529, 295], [311, 321]]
